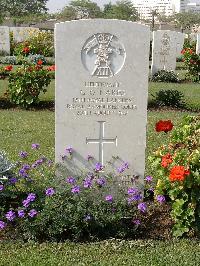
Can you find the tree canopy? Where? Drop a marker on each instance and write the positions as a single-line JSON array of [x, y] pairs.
[[78, 9], [121, 10], [186, 20], [19, 8]]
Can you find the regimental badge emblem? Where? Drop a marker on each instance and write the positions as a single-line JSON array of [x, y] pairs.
[[103, 55]]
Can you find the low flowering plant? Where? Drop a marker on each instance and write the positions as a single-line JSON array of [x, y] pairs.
[[176, 168], [69, 207], [192, 62]]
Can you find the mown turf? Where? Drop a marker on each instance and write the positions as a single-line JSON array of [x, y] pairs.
[[107, 253], [20, 128]]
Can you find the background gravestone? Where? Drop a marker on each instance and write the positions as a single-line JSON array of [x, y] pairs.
[[198, 44], [101, 94], [21, 34], [180, 37], [4, 41], [164, 50]]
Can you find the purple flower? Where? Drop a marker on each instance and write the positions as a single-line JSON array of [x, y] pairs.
[[101, 181], [160, 198], [151, 189], [50, 163], [149, 178], [126, 165], [35, 146], [136, 222], [75, 190], [31, 197], [69, 150], [23, 173], [98, 167], [26, 203], [50, 191], [90, 157], [142, 207], [87, 218], [2, 225], [34, 165], [109, 198], [1, 187], [70, 180], [26, 167], [132, 190], [23, 154], [13, 180], [87, 183], [10, 216], [32, 213], [136, 197], [21, 213], [120, 170]]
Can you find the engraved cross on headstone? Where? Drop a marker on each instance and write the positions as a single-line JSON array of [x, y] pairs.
[[101, 140]]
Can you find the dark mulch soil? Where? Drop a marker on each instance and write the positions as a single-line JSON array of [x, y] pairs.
[[157, 225]]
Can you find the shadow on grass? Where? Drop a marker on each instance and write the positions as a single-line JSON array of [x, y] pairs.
[[42, 105]]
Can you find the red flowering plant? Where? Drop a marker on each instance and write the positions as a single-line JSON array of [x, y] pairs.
[[177, 171], [5, 71], [192, 63], [27, 82]]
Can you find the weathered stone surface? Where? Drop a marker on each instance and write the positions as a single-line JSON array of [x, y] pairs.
[[4, 40], [101, 94], [164, 50]]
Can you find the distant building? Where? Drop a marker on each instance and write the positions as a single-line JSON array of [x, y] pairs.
[[165, 7]]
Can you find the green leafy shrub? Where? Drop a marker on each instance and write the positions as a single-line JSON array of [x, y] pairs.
[[26, 83], [165, 76], [172, 98], [176, 167], [33, 59], [12, 60]]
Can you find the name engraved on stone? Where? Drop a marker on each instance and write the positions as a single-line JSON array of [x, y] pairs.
[[103, 55], [101, 140]]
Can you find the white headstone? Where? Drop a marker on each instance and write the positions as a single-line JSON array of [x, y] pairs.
[[164, 50], [193, 37], [198, 44], [4, 41], [21, 34], [180, 37], [101, 93]]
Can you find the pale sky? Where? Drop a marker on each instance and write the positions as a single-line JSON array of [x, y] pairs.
[[55, 5]]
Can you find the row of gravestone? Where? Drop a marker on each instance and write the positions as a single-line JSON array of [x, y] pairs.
[[167, 45], [20, 34]]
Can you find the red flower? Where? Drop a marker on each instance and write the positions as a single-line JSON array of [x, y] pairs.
[[51, 68], [164, 126], [40, 62], [38, 67], [26, 50], [183, 51], [178, 173], [8, 68], [166, 160]]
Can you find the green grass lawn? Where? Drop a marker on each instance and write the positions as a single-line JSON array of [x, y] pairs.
[[106, 253]]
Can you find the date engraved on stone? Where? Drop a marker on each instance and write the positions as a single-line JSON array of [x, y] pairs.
[[103, 55]]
